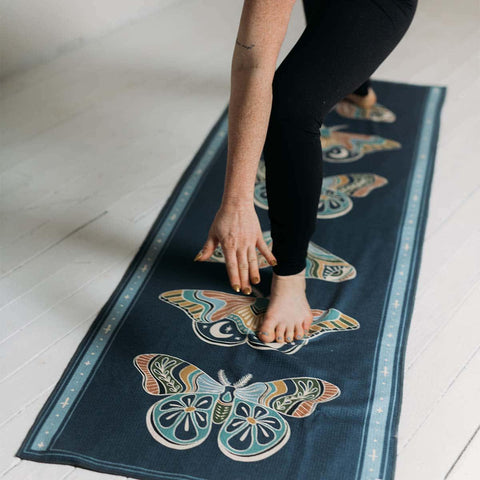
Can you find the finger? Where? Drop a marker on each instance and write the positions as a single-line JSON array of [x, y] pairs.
[[208, 248], [266, 252], [232, 267], [253, 264], [243, 271]]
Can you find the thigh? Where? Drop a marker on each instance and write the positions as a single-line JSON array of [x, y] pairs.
[[338, 50], [312, 8]]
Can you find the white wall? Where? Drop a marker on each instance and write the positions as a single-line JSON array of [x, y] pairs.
[[35, 31]]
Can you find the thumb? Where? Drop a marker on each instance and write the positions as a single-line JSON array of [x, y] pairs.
[[207, 250]]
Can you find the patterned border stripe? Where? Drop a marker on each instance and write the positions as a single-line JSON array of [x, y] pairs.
[[379, 434], [98, 344]]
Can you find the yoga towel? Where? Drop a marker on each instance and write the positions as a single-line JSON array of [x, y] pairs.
[[171, 380]]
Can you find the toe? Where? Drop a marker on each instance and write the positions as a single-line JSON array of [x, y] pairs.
[[289, 334], [280, 334], [266, 331], [299, 332], [307, 323]]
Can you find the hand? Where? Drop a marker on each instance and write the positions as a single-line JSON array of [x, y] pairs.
[[237, 229]]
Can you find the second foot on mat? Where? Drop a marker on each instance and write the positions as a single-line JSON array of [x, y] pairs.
[[288, 316], [364, 101]]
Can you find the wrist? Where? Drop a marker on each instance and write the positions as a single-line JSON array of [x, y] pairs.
[[229, 201]]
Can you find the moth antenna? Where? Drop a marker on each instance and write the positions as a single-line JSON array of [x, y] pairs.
[[223, 378], [243, 381]]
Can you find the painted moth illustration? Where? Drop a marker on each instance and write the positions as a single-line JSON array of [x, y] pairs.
[[337, 190], [376, 113], [250, 416], [321, 264], [228, 319], [347, 147]]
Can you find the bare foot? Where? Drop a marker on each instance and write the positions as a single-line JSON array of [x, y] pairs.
[[288, 316], [365, 101]]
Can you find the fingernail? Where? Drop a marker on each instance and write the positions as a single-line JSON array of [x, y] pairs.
[[199, 254], [236, 287], [273, 263], [247, 290]]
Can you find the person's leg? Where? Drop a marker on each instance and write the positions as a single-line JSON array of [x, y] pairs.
[[311, 8], [363, 88], [339, 50]]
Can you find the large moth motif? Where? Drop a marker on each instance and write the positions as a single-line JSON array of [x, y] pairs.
[[229, 320], [336, 195], [250, 416], [320, 263]]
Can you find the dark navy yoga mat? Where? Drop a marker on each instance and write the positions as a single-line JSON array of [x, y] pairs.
[[171, 381]]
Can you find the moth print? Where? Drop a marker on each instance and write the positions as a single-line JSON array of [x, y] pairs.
[[250, 417], [229, 320]]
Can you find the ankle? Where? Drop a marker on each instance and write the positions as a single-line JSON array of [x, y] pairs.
[[300, 274], [289, 281]]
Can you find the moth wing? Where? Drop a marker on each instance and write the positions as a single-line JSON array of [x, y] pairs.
[[252, 432], [260, 177], [376, 113], [260, 195], [288, 348], [217, 255], [333, 203], [356, 184], [380, 113], [212, 305], [298, 396], [339, 147], [223, 332], [349, 109], [182, 420], [363, 144], [331, 320], [165, 374], [325, 265], [375, 143]]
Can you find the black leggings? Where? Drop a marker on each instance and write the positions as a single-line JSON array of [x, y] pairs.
[[343, 43]]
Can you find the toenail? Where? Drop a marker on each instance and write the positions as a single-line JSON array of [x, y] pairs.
[[289, 338], [279, 338], [299, 337], [263, 333]]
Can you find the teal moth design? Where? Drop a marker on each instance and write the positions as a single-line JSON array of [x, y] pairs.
[[251, 417], [229, 320]]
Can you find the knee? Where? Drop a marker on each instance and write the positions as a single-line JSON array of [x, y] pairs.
[[294, 106]]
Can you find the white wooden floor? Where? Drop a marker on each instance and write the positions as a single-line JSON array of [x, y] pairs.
[[92, 145]]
